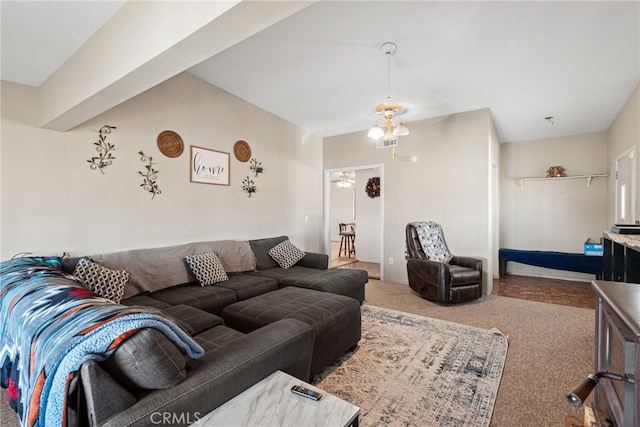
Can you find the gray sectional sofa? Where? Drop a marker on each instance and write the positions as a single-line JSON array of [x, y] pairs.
[[241, 355], [243, 344]]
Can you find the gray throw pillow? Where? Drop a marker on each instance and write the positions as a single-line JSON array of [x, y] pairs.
[[147, 360]]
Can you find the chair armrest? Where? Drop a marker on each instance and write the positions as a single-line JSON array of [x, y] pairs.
[[223, 373], [431, 271], [468, 262], [315, 260]]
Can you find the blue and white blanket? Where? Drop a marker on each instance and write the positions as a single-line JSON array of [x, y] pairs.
[[50, 325]]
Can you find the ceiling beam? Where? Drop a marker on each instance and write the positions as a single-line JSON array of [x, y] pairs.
[[144, 44]]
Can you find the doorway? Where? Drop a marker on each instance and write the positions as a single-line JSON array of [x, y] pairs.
[[625, 187], [347, 202]]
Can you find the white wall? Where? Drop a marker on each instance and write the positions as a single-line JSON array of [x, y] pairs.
[[53, 202], [553, 215], [494, 199], [624, 134], [367, 219], [341, 208], [448, 184]]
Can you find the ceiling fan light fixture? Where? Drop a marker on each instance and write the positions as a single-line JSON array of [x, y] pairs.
[[389, 110], [388, 135], [343, 183], [376, 132], [401, 130]]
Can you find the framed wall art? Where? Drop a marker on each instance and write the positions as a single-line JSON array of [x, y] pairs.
[[209, 166]]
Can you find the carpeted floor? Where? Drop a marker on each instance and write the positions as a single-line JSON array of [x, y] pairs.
[[551, 349], [416, 371]]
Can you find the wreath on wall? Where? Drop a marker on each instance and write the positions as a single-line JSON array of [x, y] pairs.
[[373, 187]]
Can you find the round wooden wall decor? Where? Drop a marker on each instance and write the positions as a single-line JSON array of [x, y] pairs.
[[170, 143], [242, 150]]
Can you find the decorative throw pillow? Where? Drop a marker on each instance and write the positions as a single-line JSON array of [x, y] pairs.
[[207, 268], [286, 254], [101, 280]]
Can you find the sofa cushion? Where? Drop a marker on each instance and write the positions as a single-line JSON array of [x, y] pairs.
[[147, 360], [101, 280], [145, 300], [211, 299], [342, 281], [236, 255], [206, 268], [104, 396], [191, 319], [286, 254], [218, 337], [261, 249], [248, 286]]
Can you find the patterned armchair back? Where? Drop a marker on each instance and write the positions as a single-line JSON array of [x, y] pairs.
[[425, 240]]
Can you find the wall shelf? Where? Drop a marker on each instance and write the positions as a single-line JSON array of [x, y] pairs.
[[589, 177]]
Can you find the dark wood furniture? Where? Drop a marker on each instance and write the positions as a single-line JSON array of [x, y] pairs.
[[621, 260], [347, 238], [617, 403]]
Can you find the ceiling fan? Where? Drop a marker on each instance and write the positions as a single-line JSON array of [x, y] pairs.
[[344, 179]]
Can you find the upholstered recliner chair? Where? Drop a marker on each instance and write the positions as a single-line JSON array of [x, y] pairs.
[[434, 273]]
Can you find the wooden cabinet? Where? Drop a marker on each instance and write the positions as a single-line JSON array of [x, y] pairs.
[[621, 259]]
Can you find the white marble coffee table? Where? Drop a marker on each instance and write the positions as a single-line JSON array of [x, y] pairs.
[[271, 403]]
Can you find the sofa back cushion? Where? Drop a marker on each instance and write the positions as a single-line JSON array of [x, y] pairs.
[[154, 269], [261, 248]]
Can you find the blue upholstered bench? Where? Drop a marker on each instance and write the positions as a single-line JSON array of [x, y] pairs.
[[555, 260]]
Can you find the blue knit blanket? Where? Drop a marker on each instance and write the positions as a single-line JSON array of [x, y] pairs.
[[50, 325]]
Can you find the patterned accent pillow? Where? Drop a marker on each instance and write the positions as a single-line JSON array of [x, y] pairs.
[[103, 281], [286, 254], [207, 268]]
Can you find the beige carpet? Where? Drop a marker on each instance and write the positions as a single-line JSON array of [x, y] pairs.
[[551, 349]]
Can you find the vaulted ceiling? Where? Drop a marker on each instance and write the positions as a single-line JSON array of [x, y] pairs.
[[322, 67]]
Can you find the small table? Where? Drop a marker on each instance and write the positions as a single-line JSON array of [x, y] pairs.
[[271, 403]]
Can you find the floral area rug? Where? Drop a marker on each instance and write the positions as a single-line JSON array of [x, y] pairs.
[[411, 370]]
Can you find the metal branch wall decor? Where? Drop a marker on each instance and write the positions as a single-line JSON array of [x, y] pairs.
[[105, 156], [248, 186], [150, 176], [256, 167]]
